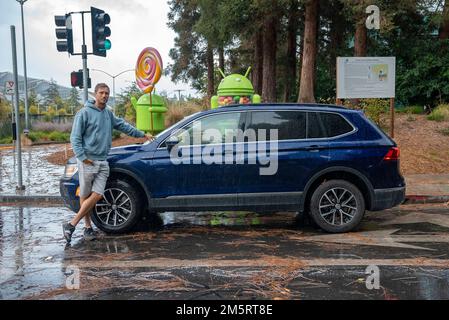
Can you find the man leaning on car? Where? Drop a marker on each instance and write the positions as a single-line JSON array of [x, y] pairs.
[[91, 140]]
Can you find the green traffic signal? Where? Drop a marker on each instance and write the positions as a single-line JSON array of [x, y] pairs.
[[107, 44]]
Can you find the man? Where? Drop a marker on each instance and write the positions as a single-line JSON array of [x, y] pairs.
[[91, 140]]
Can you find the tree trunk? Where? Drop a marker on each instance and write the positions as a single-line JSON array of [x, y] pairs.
[[210, 72], [221, 59], [444, 28], [269, 59], [336, 38], [307, 85], [257, 73], [290, 74], [360, 39]]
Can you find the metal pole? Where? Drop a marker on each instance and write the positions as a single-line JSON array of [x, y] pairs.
[[16, 96], [25, 70], [84, 57], [113, 90], [392, 117]]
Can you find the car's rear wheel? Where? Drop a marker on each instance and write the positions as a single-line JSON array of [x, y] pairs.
[[337, 206], [120, 209]]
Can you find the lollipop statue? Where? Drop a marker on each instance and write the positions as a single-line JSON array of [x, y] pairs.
[[150, 108]]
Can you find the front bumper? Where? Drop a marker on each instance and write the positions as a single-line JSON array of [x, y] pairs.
[[67, 189], [387, 198]]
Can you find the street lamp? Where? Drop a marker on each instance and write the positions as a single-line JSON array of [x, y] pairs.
[[24, 67], [113, 80]]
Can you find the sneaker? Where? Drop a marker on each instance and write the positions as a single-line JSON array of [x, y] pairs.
[[89, 234], [67, 230]]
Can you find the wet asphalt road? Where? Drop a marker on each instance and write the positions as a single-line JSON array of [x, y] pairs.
[[227, 256]]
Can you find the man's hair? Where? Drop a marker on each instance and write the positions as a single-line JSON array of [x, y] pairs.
[[101, 85]]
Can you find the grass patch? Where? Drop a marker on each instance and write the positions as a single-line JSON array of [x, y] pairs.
[[411, 110], [441, 113]]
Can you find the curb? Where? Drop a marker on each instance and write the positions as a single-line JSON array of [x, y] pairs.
[[31, 199], [416, 199], [411, 199]]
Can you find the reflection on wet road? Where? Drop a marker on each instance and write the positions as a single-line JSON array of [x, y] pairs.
[[227, 255], [39, 176]]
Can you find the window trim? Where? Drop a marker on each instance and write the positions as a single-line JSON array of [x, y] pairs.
[[354, 129], [242, 123], [248, 118]]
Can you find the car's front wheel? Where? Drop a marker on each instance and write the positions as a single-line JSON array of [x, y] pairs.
[[337, 206], [119, 210]]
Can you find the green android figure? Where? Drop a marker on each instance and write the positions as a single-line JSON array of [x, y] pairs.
[[234, 89], [150, 113]]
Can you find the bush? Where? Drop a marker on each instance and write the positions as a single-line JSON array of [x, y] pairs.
[[7, 140], [59, 136], [56, 136], [440, 113], [177, 112], [37, 136], [411, 110]]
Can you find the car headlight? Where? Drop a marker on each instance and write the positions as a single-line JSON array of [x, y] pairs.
[[70, 170]]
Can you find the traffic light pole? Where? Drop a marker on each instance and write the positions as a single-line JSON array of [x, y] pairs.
[[84, 57]]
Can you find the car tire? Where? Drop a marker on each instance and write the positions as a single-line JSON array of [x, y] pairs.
[[120, 209], [337, 206]]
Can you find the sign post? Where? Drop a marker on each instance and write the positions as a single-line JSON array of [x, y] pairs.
[[367, 77]]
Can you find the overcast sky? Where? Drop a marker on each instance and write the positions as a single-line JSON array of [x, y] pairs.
[[135, 24]]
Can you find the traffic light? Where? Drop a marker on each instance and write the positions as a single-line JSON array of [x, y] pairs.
[[100, 32], [65, 34], [76, 79]]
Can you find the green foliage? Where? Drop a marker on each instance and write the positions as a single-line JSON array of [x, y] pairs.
[[33, 109], [52, 97], [374, 109], [441, 113], [6, 140], [415, 109], [55, 136]]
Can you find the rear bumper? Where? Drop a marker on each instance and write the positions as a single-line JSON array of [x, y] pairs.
[[68, 193], [387, 198]]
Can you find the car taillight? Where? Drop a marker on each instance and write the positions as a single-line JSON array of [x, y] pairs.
[[392, 154]]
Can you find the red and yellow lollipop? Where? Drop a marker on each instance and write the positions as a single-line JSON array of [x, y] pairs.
[[148, 69]]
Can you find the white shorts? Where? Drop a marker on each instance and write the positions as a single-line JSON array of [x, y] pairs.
[[92, 178]]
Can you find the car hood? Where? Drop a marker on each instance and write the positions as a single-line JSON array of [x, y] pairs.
[[117, 151]]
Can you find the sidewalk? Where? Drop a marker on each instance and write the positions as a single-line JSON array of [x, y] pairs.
[[421, 188], [427, 188]]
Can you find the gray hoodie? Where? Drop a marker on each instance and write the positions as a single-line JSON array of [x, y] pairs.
[[91, 135]]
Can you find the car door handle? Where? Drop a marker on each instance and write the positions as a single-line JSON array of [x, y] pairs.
[[314, 148]]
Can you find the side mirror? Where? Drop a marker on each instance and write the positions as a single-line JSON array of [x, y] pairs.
[[171, 142]]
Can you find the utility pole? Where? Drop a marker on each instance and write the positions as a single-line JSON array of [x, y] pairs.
[[20, 185], [179, 94], [27, 124]]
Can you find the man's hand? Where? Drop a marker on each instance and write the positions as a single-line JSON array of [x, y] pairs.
[[148, 137], [89, 162]]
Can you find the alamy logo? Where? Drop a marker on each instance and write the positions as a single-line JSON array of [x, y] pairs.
[[213, 146], [373, 20], [373, 279]]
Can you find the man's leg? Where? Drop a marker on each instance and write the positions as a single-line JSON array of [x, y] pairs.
[[87, 220], [87, 205]]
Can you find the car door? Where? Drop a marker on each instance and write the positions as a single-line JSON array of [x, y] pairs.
[[197, 166], [299, 152]]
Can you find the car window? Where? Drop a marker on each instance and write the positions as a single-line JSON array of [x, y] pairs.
[[210, 129], [334, 124], [315, 126], [289, 124]]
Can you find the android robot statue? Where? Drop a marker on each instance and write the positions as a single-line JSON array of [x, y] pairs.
[[234, 89]]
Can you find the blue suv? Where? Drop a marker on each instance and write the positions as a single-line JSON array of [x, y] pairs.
[[328, 161]]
